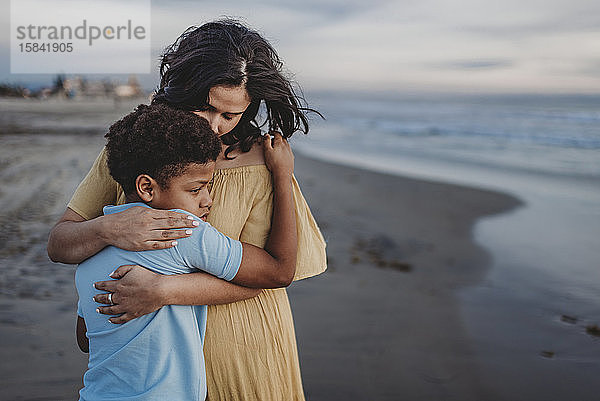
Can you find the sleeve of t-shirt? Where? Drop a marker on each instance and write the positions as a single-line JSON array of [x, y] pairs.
[[209, 250], [79, 311], [97, 190]]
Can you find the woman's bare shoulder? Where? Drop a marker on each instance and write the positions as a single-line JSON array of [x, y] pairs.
[[253, 157]]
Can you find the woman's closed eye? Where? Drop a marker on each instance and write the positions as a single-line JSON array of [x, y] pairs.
[[209, 108]]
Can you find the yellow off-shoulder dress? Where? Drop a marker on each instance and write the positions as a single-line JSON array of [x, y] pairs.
[[250, 346]]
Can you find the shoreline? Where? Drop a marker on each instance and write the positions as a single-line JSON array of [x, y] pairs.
[[390, 333], [530, 318], [383, 322]]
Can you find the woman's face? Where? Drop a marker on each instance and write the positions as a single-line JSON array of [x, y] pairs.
[[226, 104]]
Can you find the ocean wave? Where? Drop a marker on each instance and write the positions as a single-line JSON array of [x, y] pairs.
[[535, 134]]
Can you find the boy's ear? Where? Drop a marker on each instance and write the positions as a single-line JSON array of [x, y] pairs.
[[145, 186]]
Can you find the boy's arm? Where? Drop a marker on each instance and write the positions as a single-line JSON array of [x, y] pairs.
[[82, 340]]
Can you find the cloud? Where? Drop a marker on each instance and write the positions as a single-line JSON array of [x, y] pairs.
[[474, 64], [487, 45]]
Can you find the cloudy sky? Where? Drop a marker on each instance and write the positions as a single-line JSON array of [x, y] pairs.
[[540, 46]]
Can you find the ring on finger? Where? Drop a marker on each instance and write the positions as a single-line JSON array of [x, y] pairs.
[[110, 301]]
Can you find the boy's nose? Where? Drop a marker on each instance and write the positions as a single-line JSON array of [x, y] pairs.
[[206, 202]]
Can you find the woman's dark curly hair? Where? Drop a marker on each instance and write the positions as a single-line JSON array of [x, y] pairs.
[[159, 141], [227, 53]]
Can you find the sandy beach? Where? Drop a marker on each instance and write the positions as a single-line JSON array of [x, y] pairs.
[[383, 322]]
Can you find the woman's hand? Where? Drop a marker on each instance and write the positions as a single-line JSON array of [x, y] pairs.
[[135, 292], [278, 155], [141, 229], [138, 291], [74, 239]]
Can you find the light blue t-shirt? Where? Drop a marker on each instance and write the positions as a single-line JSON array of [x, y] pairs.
[[157, 356]]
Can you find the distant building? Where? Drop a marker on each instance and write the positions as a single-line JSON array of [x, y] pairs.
[[78, 87], [130, 90]]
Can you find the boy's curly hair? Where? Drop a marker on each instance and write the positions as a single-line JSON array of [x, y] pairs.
[[159, 141]]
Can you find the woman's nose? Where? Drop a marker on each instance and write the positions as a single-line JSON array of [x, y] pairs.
[[214, 124], [212, 118]]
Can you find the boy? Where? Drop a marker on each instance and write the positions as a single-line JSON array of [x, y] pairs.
[[164, 158]]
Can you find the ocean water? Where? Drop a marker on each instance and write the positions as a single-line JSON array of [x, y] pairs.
[[544, 150], [545, 255], [557, 135]]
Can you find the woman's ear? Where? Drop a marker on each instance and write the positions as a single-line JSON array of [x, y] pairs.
[[145, 186]]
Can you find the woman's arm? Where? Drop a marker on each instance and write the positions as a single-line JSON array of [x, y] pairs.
[[74, 239], [80, 233], [276, 267], [134, 300], [147, 292]]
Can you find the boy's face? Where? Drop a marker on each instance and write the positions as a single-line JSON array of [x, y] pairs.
[[188, 191]]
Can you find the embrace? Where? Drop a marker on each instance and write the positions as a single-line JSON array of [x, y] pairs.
[[168, 196]]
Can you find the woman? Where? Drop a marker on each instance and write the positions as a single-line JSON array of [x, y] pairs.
[[221, 71]]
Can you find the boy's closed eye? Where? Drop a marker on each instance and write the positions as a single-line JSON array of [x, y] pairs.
[[207, 185]]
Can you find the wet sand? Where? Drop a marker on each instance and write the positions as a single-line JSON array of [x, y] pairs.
[[383, 323], [39, 357]]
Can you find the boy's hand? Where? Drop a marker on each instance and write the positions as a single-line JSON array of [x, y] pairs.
[[278, 155]]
